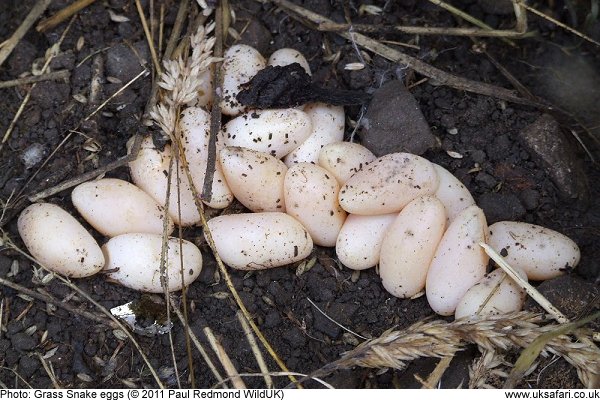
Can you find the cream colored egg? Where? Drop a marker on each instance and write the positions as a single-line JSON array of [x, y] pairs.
[[459, 262], [541, 252], [288, 56], [388, 184], [256, 178], [195, 135], [344, 159], [494, 294], [115, 206], [259, 240], [452, 193], [205, 91], [58, 241], [327, 127], [134, 260], [409, 246], [359, 242], [241, 63], [275, 132], [311, 194], [150, 172]]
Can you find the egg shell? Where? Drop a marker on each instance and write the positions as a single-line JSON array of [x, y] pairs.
[[149, 171], [388, 184], [452, 193], [241, 62], [494, 294], [344, 159], [327, 127], [311, 197], [115, 206], [541, 252], [195, 136], [459, 262], [359, 241], [287, 56], [256, 178], [58, 241], [259, 240], [136, 258], [275, 132], [409, 246]]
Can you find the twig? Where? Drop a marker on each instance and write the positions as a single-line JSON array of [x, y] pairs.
[[62, 15], [419, 66], [418, 30], [215, 113], [63, 74], [8, 45], [230, 369], [148, 36], [262, 365], [51, 300], [199, 346], [49, 371]]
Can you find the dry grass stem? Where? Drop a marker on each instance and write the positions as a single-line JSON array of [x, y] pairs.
[[50, 371], [485, 367], [199, 346], [63, 75], [286, 374], [262, 365], [63, 14], [436, 375], [149, 40], [228, 366], [8, 45], [442, 339]]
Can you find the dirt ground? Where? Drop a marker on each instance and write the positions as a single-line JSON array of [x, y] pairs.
[[506, 178]]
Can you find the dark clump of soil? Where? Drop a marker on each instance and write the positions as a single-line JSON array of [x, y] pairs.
[[484, 135]]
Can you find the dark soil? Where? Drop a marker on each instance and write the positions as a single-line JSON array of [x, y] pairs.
[[506, 179]]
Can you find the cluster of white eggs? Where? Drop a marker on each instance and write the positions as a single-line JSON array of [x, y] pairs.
[[303, 186]]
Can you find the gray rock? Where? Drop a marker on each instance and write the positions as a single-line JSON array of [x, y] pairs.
[[28, 365], [530, 198], [501, 207], [550, 149], [22, 341], [123, 63], [394, 123], [254, 34]]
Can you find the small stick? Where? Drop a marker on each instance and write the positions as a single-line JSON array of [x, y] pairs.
[[63, 74], [230, 369], [199, 346], [262, 365], [148, 36], [49, 371], [531, 291], [62, 15], [8, 45], [419, 30], [51, 300], [89, 175]]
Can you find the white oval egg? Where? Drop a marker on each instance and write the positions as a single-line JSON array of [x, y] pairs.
[[409, 246], [344, 159], [115, 206], [452, 193], [327, 127], [259, 240], [256, 178], [359, 242], [241, 62], [136, 260], [205, 91], [494, 294], [387, 184], [195, 135], [149, 171], [459, 262], [311, 194], [58, 241], [541, 252], [275, 132], [286, 56]]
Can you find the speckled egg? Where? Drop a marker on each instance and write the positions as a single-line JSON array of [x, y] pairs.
[[344, 159], [241, 62]]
